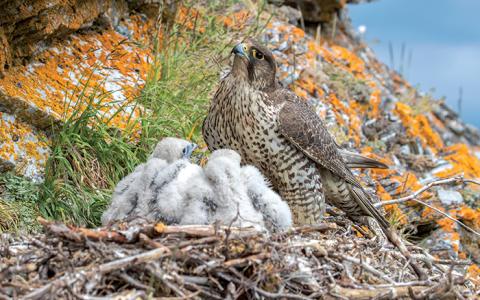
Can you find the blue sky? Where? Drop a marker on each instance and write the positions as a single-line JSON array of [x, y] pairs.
[[443, 37]]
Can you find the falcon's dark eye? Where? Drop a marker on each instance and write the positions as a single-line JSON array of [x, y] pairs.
[[257, 54]]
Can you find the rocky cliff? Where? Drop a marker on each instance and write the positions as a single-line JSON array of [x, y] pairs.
[[55, 52]]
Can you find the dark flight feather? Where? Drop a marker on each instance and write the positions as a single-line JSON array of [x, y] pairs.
[[299, 124], [355, 160]]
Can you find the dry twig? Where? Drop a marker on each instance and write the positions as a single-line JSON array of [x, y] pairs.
[[413, 197], [191, 262]]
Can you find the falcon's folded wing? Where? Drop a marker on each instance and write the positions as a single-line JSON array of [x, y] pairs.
[[299, 124]]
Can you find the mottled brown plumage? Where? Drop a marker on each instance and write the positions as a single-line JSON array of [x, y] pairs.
[[244, 117], [279, 133]]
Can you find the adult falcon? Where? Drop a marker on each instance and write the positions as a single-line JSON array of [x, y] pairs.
[[276, 131], [280, 134]]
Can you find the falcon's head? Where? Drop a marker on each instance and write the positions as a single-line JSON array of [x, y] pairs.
[[254, 64]]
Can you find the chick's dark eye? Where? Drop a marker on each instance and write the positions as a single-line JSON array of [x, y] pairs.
[[257, 54]]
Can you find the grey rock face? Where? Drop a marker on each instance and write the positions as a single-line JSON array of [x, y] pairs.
[[449, 197]]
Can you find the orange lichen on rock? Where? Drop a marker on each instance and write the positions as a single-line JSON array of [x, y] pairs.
[[237, 20], [375, 101], [455, 241], [446, 224], [408, 182], [314, 47], [430, 137], [22, 147], [300, 92], [297, 34], [471, 215], [473, 274], [337, 104], [463, 161], [431, 214], [106, 64], [193, 19], [189, 18], [354, 122], [393, 210], [307, 83], [345, 60], [404, 111], [418, 126]]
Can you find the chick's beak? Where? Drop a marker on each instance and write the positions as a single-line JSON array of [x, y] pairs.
[[240, 50], [188, 150]]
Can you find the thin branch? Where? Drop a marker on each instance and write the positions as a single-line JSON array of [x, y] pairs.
[[367, 268], [413, 197], [368, 293], [242, 261], [421, 191], [448, 216]]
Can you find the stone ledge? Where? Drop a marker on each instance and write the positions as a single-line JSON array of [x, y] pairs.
[[46, 91], [109, 66], [27, 27]]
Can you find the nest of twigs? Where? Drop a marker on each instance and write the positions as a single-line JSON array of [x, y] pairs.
[[213, 262]]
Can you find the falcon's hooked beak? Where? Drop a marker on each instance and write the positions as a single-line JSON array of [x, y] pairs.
[[241, 50], [188, 150]]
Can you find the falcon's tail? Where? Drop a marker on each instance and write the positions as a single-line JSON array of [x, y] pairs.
[[355, 160], [364, 200]]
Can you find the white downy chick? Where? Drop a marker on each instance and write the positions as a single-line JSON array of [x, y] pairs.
[[123, 199], [199, 196], [186, 199], [126, 195], [135, 196], [165, 196], [233, 207], [276, 213]]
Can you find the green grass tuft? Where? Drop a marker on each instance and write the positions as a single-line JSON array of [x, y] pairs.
[[88, 157], [19, 198]]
